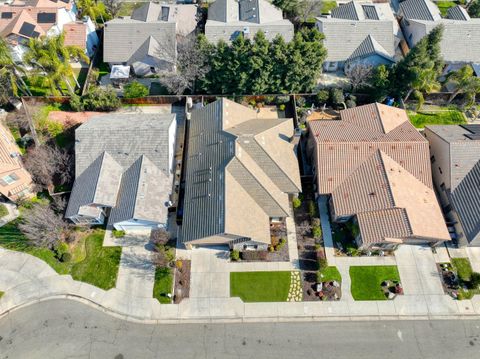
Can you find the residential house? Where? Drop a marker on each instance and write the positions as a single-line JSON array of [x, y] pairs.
[[123, 171], [227, 19], [241, 170], [461, 36], [455, 161], [147, 40], [15, 181], [359, 33], [375, 168], [22, 20]]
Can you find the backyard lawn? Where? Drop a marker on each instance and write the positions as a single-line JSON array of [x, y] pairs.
[[367, 280], [163, 285], [328, 6], [329, 274], [443, 6], [444, 116], [91, 262], [260, 286]]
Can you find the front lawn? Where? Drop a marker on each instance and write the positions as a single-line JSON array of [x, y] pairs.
[[3, 210], [367, 280], [329, 274], [444, 116], [260, 286], [464, 271], [163, 285], [91, 262]]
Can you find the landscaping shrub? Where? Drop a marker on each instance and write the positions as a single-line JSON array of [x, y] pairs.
[[135, 90], [474, 280], [312, 209], [234, 255], [336, 96], [322, 97], [300, 101], [118, 234], [283, 99], [61, 249], [254, 255], [316, 231], [322, 263], [99, 99], [271, 248], [66, 257], [3, 211], [281, 107], [280, 244], [296, 202]]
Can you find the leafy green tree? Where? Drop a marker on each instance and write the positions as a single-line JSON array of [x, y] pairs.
[[100, 99], [260, 65], [11, 73], [474, 8], [380, 82], [279, 55], [50, 61], [289, 7], [93, 9], [464, 82], [134, 90]]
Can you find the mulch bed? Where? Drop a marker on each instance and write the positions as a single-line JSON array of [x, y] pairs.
[[182, 281]]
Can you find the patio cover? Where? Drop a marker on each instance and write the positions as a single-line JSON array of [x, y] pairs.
[[120, 72]]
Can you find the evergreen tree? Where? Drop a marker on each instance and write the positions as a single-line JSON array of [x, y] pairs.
[[279, 54], [260, 65], [473, 8]]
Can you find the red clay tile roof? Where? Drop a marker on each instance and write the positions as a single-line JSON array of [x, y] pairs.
[[75, 34]]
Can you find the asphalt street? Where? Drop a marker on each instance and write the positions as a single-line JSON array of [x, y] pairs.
[[68, 329]]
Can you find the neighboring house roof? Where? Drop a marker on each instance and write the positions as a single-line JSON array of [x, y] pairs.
[[420, 10], [367, 48], [373, 161], [464, 173], [11, 163], [348, 29], [229, 18], [461, 34], [125, 39], [123, 162], [76, 34], [239, 170], [184, 15]]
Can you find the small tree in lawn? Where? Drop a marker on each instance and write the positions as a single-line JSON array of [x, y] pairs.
[[465, 82], [135, 90], [43, 227]]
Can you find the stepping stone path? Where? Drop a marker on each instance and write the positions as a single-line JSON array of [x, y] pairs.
[[295, 293]]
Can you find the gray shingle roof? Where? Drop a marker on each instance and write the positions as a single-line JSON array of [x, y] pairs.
[[123, 37], [458, 13], [98, 184], [229, 18], [369, 47], [346, 11], [122, 161], [420, 10], [125, 137]]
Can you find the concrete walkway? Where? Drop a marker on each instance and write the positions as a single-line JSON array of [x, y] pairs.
[[12, 213]]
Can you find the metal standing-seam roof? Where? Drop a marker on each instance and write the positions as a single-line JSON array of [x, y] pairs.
[[373, 159], [458, 13], [225, 170], [420, 10]]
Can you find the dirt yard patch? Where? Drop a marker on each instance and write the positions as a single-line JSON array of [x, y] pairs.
[[68, 118]]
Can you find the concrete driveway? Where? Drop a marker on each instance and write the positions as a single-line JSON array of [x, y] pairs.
[[418, 270]]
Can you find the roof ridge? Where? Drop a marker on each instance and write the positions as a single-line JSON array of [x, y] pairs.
[[389, 187], [257, 181]]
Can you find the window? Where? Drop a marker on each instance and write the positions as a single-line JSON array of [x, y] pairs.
[[9, 179]]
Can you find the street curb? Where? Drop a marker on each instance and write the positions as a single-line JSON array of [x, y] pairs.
[[238, 320]]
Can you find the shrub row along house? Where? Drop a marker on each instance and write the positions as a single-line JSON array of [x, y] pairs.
[[123, 171], [375, 168], [23, 20], [456, 173], [241, 172]]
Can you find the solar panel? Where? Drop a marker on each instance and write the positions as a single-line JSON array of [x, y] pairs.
[[27, 29], [7, 15], [35, 34], [46, 18]]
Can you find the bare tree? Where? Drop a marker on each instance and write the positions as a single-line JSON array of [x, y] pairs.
[[113, 7], [49, 164], [191, 64], [159, 237], [359, 75], [308, 9], [43, 227]]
